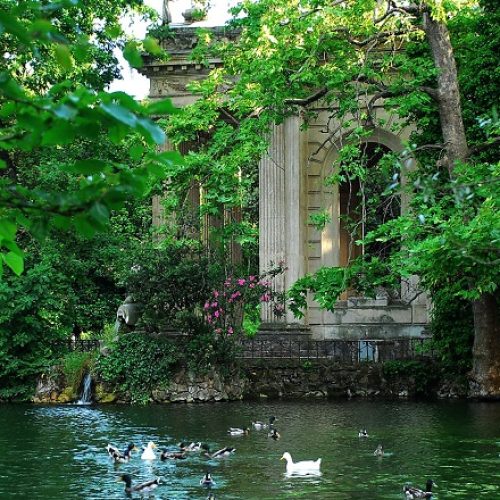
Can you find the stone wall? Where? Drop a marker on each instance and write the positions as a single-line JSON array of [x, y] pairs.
[[279, 381]]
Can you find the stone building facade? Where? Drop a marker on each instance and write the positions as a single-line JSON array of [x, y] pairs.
[[291, 187]]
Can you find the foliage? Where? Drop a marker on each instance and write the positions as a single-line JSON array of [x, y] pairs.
[[235, 306], [136, 364], [74, 366], [30, 319], [45, 106], [169, 281], [452, 329]]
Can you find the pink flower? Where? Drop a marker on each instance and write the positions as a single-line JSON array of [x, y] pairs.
[[252, 278], [214, 304], [216, 314], [216, 293], [207, 305], [235, 295], [265, 298], [230, 330], [241, 281], [251, 285]]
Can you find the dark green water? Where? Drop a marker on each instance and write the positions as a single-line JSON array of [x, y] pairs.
[[52, 452]]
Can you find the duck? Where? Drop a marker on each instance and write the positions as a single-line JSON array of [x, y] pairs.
[[413, 493], [207, 480], [306, 466], [190, 446], [236, 431], [142, 488], [379, 452], [211, 496], [172, 455], [363, 433], [118, 456], [148, 453], [274, 434], [222, 453], [259, 425]]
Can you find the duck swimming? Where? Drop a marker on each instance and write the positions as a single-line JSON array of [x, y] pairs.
[[379, 452], [118, 456], [259, 425], [304, 467], [190, 446], [142, 488], [274, 434], [236, 431], [363, 433], [172, 455], [148, 453], [207, 481], [413, 493], [222, 453]]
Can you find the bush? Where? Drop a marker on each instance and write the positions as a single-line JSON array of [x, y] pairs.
[[136, 364], [452, 327]]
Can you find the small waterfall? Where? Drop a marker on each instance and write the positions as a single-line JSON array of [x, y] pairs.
[[86, 397]]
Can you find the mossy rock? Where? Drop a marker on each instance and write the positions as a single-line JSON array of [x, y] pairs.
[[67, 395], [103, 396]]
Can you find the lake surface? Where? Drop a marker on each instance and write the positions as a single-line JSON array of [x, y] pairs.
[[52, 452]]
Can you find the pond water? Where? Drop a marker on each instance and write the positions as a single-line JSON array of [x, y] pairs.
[[52, 452]]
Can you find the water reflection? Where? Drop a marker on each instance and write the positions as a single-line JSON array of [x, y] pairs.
[[53, 452]]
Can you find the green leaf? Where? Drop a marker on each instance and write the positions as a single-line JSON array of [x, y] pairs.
[[120, 114], [14, 261], [63, 56], [7, 229], [84, 226], [154, 132], [132, 54], [99, 212], [162, 107], [151, 45]]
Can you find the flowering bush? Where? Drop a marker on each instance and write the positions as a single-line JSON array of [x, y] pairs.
[[239, 298]]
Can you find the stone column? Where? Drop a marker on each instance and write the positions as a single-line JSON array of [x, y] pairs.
[[294, 197], [272, 212], [281, 224]]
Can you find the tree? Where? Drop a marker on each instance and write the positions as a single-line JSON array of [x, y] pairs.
[[354, 55], [57, 59]]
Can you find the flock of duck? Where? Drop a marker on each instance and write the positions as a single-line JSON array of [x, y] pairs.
[[304, 468]]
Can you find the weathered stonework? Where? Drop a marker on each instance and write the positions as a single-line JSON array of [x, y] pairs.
[[292, 186]]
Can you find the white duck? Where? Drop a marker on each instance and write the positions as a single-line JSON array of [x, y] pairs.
[[304, 467], [148, 453]]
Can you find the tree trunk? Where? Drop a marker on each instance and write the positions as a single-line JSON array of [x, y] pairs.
[[485, 376]]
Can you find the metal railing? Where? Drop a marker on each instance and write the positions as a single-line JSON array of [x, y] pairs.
[[343, 351]]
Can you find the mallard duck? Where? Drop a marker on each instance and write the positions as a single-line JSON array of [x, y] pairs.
[[222, 453], [258, 425], [190, 446], [142, 488], [172, 455], [306, 466], [118, 456], [363, 433], [236, 431], [379, 452], [207, 481], [274, 434], [148, 453], [413, 493]]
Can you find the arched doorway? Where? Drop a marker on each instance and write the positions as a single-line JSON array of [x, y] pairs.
[[365, 201]]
